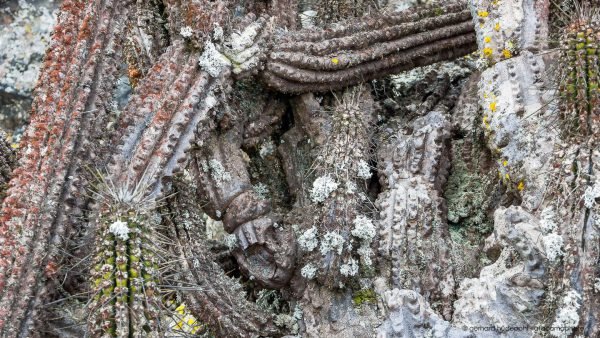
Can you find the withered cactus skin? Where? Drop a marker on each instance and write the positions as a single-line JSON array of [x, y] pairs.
[[357, 51], [227, 193], [215, 301], [8, 159], [68, 110], [156, 150]]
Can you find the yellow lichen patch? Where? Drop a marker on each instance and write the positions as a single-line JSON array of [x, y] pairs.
[[505, 163], [521, 186], [486, 123], [493, 106], [182, 321], [497, 27], [487, 39], [506, 53], [335, 61], [483, 14], [507, 176], [487, 51]]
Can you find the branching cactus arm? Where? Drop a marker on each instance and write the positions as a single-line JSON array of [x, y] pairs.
[[215, 299], [355, 52], [264, 252]]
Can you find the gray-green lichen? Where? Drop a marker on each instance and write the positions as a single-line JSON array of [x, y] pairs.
[[467, 191]]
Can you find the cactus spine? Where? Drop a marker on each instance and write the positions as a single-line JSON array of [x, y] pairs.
[[579, 91], [124, 278]]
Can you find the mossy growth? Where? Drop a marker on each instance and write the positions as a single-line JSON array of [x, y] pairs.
[[467, 190], [363, 296]]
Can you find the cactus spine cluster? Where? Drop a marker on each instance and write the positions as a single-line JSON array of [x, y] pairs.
[[579, 91], [124, 279]]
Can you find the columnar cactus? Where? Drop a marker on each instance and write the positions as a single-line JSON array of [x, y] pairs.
[[580, 94], [338, 240], [125, 275], [69, 112]]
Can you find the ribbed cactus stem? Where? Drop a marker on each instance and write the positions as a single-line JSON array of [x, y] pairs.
[[356, 52], [579, 91], [76, 81], [124, 277], [7, 163]]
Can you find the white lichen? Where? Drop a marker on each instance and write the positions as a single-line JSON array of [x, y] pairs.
[[590, 195], [553, 244], [308, 240], [119, 229], [322, 187], [212, 61], [365, 253], [218, 33], [332, 241], [240, 41], [186, 32], [547, 219], [298, 312], [349, 269], [267, 148], [218, 172], [363, 228], [261, 190], [231, 241], [363, 170], [308, 18], [309, 271], [567, 316], [351, 187]]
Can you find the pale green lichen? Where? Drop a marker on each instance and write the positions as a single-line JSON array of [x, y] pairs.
[[364, 296], [467, 193]]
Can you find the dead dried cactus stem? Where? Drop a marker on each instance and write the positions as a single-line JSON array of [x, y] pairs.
[[354, 52]]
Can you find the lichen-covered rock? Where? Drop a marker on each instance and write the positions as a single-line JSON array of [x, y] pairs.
[[25, 27], [23, 40]]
